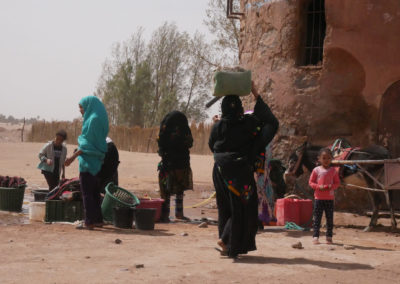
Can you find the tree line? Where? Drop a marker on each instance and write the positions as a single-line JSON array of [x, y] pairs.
[[144, 80], [11, 119]]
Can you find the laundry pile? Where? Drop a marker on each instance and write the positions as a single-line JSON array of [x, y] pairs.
[[13, 182]]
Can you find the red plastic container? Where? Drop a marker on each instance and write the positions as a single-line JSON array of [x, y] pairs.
[[287, 210], [306, 212], [152, 203]]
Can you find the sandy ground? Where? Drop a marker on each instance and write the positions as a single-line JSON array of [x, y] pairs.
[[58, 253]]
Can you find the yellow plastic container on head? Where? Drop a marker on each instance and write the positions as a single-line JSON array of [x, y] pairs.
[[37, 211]]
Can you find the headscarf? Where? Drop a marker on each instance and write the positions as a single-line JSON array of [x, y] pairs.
[[231, 107], [92, 141], [174, 140], [174, 128]]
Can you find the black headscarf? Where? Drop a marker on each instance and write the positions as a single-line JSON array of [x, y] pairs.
[[231, 107], [174, 140]]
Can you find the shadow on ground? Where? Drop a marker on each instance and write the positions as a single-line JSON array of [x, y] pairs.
[[302, 261]]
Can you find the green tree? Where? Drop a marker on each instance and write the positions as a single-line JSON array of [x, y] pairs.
[[118, 85], [142, 81]]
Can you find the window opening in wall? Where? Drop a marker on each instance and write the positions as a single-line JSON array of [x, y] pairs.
[[315, 33], [230, 13]]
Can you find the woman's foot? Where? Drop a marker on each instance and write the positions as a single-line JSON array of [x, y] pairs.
[[182, 217], [329, 241], [83, 226], [316, 241], [224, 249], [222, 252], [165, 220]]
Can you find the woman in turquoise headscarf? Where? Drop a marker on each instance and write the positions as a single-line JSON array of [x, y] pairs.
[[92, 147]]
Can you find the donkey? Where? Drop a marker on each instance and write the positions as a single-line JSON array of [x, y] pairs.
[[306, 155]]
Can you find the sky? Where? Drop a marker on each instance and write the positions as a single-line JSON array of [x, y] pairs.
[[52, 51]]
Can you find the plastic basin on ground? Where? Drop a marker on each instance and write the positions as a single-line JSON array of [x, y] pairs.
[[144, 218], [154, 203], [306, 212], [40, 194], [298, 211], [37, 211], [287, 210], [11, 199], [123, 217], [116, 197]]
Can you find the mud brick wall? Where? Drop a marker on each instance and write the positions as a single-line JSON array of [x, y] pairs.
[[339, 97]]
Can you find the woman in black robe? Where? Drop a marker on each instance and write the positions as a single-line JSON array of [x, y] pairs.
[[236, 140], [175, 175]]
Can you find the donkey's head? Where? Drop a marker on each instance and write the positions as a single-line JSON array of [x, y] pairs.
[[306, 155]]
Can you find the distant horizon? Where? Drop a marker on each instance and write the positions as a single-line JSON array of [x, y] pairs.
[[52, 52]]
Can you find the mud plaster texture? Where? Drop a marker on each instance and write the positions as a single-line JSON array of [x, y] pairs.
[[341, 96]]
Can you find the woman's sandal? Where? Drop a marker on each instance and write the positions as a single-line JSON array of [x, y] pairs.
[[222, 252], [182, 218], [82, 226]]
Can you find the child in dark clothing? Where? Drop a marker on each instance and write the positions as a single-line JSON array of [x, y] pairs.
[[52, 157]]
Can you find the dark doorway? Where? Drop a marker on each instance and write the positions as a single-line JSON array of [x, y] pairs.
[[389, 120]]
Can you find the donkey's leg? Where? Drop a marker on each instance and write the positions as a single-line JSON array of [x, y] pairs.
[[389, 202], [374, 198]]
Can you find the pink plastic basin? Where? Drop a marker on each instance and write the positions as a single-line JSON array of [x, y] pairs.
[[154, 203]]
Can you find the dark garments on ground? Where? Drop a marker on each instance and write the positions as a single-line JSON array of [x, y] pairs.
[[109, 169], [90, 188], [236, 140], [321, 206], [175, 175]]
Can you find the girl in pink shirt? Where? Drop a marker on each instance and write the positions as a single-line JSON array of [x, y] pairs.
[[324, 180]]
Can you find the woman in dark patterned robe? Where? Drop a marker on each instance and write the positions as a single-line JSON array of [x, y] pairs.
[[236, 141], [175, 175]]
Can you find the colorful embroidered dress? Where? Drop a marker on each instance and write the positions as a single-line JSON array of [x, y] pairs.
[[235, 141]]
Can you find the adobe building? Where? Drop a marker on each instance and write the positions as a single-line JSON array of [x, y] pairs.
[[328, 68]]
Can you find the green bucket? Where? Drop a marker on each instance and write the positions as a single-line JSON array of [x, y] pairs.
[[11, 198], [116, 197]]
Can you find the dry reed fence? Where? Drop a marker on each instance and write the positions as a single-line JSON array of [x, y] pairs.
[[134, 139]]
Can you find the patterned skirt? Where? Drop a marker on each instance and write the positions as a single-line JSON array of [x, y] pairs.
[[174, 181]]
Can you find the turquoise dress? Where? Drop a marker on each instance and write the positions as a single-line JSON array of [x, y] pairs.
[[92, 141]]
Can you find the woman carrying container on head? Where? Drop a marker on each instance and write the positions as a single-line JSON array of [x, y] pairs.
[[236, 139], [175, 175], [52, 157], [92, 147]]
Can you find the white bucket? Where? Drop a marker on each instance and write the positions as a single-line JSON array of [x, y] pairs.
[[37, 211]]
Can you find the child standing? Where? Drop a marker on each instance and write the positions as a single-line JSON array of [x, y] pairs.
[[324, 180], [52, 157]]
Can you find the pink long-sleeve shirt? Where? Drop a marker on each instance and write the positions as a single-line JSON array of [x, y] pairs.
[[325, 177]]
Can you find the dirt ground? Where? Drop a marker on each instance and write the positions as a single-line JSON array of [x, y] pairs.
[[58, 253]]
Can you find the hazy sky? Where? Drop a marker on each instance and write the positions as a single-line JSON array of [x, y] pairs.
[[51, 51]]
